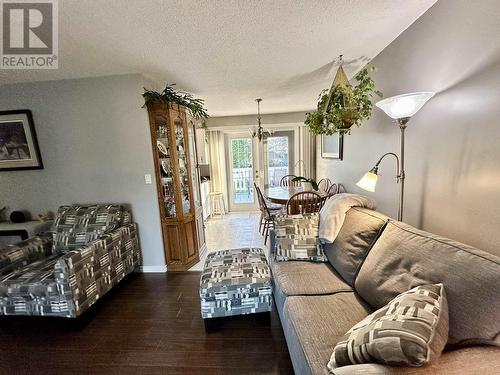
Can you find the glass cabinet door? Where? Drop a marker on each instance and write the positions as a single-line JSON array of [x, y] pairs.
[[193, 159], [183, 168], [163, 154]]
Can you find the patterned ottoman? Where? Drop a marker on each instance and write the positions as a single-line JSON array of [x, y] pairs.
[[235, 282]]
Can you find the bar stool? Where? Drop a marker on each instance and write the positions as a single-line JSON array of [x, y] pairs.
[[217, 203]]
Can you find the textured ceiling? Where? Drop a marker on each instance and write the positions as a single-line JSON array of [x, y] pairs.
[[226, 51]]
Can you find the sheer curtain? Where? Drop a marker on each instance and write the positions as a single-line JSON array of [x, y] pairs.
[[217, 163], [307, 153]]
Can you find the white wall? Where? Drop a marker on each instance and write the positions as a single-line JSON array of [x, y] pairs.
[[95, 145], [453, 143]]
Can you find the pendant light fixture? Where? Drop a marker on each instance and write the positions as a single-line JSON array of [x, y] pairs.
[[259, 131]]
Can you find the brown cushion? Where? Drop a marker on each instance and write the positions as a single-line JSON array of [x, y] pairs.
[[411, 330], [404, 257], [305, 278], [314, 324], [360, 230]]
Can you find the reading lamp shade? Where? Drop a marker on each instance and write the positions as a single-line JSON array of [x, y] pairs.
[[368, 181], [405, 105]]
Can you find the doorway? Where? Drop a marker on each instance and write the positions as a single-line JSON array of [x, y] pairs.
[[264, 163], [242, 159]]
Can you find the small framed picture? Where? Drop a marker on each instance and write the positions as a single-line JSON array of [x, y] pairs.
[[18, 143], [332, 146]]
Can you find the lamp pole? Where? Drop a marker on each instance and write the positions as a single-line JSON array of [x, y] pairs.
[[401, 175]]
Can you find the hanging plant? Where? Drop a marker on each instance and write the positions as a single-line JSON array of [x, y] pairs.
[[170, 95], [343, 106]]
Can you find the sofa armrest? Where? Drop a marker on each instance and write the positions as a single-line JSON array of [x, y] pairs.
[[25, 252], [89, 272], [272, 243], [474, 360]]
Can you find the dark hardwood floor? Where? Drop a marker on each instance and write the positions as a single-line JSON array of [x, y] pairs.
[[150, 324]]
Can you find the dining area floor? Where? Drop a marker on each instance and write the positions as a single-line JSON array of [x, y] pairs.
[[230, 231]]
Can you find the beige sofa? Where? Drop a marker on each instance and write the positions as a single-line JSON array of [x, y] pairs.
[[372, 260]]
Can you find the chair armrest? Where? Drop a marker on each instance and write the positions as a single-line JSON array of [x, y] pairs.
[[467, 361], [90, 271], [25, 252]]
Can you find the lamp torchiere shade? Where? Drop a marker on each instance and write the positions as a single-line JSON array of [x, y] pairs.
[[406, 105], [368, 181]]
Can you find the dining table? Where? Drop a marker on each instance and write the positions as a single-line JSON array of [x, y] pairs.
[[281, 194]]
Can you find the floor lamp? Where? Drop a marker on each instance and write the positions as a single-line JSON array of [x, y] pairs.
[[401, 108]]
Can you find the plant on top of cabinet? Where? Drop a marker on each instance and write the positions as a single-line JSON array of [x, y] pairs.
[[183, 98]]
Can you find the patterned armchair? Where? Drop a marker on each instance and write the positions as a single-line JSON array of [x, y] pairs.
[[64, 272]]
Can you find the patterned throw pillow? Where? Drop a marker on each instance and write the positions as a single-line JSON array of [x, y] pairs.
[[297, 238], [411, 330], [75, 226]]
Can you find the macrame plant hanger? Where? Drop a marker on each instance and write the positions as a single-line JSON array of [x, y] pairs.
[[340, 80]]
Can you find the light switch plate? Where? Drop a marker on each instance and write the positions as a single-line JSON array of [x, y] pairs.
[[147, 179]]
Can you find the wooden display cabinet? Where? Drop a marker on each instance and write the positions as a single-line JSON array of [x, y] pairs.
[[178, 184]]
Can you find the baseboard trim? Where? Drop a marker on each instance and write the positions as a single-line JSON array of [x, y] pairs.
[[153, 269]]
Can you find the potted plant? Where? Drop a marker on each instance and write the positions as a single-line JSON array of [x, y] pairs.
[[170, 95], [343, 106], [308, 184]]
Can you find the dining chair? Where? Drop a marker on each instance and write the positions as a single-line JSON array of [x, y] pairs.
[[286, 181], [268, 211], [333, 189], [336, 189], [324, 184], [305, 202]]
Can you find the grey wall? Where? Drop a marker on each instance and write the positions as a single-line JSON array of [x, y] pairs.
[[453, 143], [95, 145]]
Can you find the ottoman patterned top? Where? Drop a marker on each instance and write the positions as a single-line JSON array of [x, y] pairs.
[[232, 269], [235, 282]]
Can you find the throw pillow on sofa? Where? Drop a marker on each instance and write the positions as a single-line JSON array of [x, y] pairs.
[[297, 238], [411, 330], [77, 225]]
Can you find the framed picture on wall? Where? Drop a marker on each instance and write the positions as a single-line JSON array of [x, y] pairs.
[[332, 146], [18, 143]]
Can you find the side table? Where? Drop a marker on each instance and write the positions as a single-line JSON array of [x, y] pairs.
[[9, 230]]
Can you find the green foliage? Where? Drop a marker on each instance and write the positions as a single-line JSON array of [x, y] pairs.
[[170, 95], [241, 153], [312, 181], [277, 149], [340, 108]]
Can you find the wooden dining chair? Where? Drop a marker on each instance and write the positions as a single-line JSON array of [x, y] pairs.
[[324, 184], [267, 213], [286, 181], [305, 202], [336, 189], [332, 190]]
